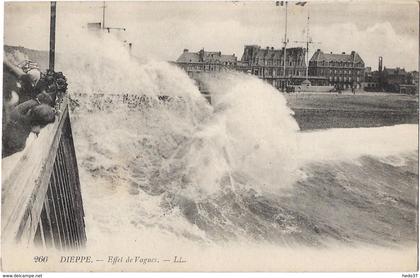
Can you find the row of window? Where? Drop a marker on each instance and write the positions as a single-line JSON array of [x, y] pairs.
[[205, 67], [274, 71], [336, 64], [345, 78], [279, 72], [221, 63], [372, 85], [340, 71], [278, 62]]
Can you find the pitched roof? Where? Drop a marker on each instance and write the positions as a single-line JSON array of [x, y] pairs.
[[395, 71], [188, 57], [275, 54], [205, 56], [228, 58], [211, 56], [320, 56]]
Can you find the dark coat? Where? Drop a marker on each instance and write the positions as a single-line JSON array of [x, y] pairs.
[[21, 121]]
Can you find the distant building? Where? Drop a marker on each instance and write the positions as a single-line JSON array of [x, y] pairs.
[[394, 80], [205, 61], [372, 82], [341, 70], [268, 64], [415, 79], [399, 81], [197, 63]]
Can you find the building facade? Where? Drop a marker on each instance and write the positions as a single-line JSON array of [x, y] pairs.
[[394, 77], [372, 81], [393, 80], [268, 64], [340, 70], [206, 61], [415, 80], [398, 80]]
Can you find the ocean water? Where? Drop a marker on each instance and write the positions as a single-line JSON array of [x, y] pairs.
[[242, 170], [160, 172]]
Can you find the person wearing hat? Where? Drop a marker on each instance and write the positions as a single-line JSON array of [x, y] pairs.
[[10, 90], [25, 118], [27, 75], [28, 84]]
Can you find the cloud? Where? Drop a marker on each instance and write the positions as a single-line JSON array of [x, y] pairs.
[[163, 31], [380, 39]]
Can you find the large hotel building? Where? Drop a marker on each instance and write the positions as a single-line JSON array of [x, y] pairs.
[[341, 70]]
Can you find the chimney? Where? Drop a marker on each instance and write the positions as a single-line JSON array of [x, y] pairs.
[[343, 53], [272, 48], [201, 55], [353, 52], [185, 50], [318, 50], [130, 46], [268, 48], [380, 64]]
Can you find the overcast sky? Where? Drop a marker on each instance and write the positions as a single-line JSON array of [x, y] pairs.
[[163, 29]]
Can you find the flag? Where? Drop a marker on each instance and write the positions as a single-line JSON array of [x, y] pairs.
[[279, 3], [301, 3]]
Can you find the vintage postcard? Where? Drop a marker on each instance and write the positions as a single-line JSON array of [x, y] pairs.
[[273, 136]]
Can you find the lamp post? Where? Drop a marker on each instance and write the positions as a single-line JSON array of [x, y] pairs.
[[52, 35]]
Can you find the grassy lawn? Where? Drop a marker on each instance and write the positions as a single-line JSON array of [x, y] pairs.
[[315, 111]]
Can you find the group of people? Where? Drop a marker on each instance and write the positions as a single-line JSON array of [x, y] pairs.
[[339, 89], [29, 100]]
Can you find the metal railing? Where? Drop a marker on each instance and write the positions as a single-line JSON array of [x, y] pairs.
[[41, 197]]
